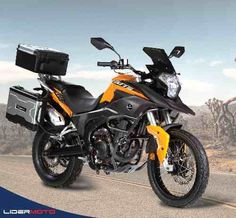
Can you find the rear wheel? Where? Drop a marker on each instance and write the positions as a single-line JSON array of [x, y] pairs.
[[186, 183], [56, 171]]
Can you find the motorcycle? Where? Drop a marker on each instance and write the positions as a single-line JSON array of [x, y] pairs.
[[131, 125]]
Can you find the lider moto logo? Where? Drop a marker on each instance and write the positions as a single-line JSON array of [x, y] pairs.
[[29, 212]]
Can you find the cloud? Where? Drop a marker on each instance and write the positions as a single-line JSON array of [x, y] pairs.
[[197, 85], [230, 72], [196, 92], [4, 45], [198, 61], [215, 63], [212, 63], [10, 73], [80, 73]]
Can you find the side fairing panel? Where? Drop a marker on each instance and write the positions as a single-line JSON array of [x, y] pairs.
[[118, 84], [132, 106]]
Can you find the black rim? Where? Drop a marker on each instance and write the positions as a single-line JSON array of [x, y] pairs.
[[54, 167], [180, 182]]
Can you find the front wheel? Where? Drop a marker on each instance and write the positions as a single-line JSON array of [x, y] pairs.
[[188, 179]]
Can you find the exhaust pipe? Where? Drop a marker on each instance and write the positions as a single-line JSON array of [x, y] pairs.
[[64, 152]]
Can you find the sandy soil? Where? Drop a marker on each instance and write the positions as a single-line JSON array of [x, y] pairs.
[[221, 160]]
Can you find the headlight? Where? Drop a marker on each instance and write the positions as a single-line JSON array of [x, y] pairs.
[[172, 83]]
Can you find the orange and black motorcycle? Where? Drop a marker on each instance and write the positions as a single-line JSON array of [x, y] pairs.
[[129, 125]]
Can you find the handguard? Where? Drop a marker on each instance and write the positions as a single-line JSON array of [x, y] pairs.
[[162, 139]]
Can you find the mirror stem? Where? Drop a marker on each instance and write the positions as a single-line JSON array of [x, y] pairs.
[[117, 54]]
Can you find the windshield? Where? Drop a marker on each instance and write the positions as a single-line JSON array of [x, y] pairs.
[[161, 62]]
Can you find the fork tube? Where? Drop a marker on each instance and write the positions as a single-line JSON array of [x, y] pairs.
[[166, 116], [151, 118]]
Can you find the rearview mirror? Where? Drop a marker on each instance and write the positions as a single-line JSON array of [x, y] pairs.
[[177, 52], [100, 43]]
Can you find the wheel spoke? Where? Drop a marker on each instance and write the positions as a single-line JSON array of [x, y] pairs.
[[55, 166], [184, 167], [184, 164], [179, 149]]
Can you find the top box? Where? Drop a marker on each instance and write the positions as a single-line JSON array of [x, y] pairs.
[[42, 60]]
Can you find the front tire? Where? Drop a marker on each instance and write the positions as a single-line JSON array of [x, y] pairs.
[[156, 178], [73, 166]]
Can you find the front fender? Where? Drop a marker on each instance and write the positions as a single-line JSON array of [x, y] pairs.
[[162, 142], [172, 126]]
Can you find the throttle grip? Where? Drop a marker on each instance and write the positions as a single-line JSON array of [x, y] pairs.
[[103, 64]]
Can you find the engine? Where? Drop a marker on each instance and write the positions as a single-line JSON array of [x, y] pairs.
[[112, 146], [101, 142]]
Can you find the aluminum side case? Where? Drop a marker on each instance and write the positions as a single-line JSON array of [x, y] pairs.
[[24, 107]]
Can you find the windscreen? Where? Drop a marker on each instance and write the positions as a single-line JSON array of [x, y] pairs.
[[160, 59]]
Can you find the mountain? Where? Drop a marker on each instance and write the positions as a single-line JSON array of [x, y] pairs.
[[15, 139]]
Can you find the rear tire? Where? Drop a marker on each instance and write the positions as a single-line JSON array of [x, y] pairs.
[[65, 179], [202, 173]]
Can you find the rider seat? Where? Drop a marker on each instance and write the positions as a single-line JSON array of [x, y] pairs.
[[76, 97]]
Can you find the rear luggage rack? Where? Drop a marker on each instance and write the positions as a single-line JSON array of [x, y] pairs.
[[42, 60]]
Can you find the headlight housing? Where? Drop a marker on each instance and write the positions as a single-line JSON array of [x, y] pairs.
[[172, 83]]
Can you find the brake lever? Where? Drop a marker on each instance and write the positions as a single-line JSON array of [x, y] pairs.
[[114, 65]]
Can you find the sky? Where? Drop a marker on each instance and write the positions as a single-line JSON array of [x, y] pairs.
[[207, 29]]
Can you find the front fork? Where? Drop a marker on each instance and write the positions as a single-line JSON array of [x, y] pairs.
[[161, 136]]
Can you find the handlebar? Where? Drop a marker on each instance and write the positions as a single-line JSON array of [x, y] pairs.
[[114, 65], [104, 64]]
